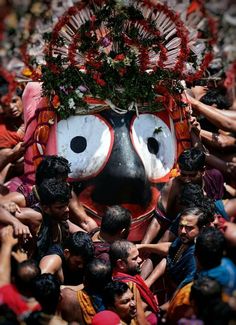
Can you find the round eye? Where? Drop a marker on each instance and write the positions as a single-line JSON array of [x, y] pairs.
[[86, 142], [155, 145]]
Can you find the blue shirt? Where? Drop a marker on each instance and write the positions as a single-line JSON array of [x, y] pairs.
[[225, 274], [185, 267]]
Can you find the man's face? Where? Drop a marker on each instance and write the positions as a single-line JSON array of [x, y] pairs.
[[15, 108], [188, 229], [125, 306], [133, 262], [59, 211], [194, 177], [75, 262]]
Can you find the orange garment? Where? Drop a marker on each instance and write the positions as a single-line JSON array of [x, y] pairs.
[[180, 306], [10, 134], [87, 309]]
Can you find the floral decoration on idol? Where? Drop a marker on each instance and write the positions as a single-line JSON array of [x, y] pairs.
[[202, 34], [40, 19], [123, 55]]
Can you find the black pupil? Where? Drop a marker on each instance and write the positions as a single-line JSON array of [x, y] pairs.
[[78, 144], [153, 145]]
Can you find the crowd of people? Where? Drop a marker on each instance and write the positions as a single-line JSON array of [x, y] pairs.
[[58, 267]]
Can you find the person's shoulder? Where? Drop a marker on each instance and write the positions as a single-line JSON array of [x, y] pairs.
[[228, 263], [56, 249]]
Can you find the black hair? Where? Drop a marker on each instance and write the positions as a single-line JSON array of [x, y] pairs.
[[209, 248], [46, 290], [200, 82], [115, 219], [52, 167], [97, 274], [192, 195], [203, 219], [7, 316], [4, 86], [206, 296], [112, 290], [215, 96], [192, 159], [81, 244], [119, 250], [54, 190], [25, 274]]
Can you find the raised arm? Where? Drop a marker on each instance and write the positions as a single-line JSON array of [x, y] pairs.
[[217, 140], [10, 155], [159, 248], [214, 115], [7, 243], [79, 216], [20, 229]]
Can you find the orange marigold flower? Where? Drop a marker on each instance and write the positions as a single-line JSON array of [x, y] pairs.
[[27, 72], [174, 172]]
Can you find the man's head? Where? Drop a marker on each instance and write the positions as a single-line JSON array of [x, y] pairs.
[[192, 220], [24, 276], [124, 257], [119, 298], [52, 167], [215, 97], [192, 196], [116, 222], [46, 290], [96, 276], [191, 164], [78, 250], [54, 197], [205, 291], [198, 88], [14, 109], [209, 248]]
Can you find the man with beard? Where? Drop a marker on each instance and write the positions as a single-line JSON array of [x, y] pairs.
[[125, 263], [180, 261]]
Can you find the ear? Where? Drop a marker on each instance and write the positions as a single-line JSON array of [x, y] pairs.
[[66, 253], [46, 209], [121, 264], [124, 233]]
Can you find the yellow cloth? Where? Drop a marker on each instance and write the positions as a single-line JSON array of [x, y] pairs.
[[87, 309], [180, 306]]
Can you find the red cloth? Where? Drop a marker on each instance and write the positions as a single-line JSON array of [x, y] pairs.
[[9, 136], [106, 317], [143, 289], [11, 297]]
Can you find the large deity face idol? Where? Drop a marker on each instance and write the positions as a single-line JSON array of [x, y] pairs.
[[118, 158], [121, 159]]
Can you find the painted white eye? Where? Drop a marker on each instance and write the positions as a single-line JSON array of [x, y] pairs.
[[86, 142], [155, 144]]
